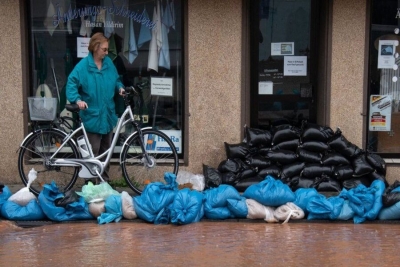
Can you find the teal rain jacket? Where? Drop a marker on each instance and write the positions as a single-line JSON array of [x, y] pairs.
[[97, 88]]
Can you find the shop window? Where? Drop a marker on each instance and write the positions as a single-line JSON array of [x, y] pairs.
[[59, 31], [384, 81]]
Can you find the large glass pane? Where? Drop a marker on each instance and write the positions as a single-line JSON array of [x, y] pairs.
[[284, 90], [59, 34], [384, 86]]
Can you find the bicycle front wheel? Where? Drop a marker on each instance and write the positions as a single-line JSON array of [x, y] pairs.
[[35, 153], [139, 170]]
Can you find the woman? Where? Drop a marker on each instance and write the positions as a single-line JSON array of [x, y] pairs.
[[92, 85]]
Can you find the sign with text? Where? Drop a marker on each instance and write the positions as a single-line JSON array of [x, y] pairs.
[[295, 66], [156, 144], [380, 113], [82, 46], [161, 86]]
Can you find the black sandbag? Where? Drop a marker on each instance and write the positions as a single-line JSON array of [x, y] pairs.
[[343, 172], [301, 182], [242, 185], [315, 146], [341, 145], [312, 170], [377, 176], [273, 171], [389, 198], [70, 196], [246, 174], [361, 166], [308, 156], [212, 177], [327, 184], [229, 165], [258, 137], [258, 161], [229, 178], [314, 132], [334, 159], [239, 150], [292, 170], [291, 145], [282, 157], [377, 162], [354, 182], [284, 133]]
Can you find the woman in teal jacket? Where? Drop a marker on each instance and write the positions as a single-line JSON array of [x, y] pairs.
[[92, 85]]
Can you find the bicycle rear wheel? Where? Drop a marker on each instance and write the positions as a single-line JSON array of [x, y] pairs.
[[35, 153], [137, 171]]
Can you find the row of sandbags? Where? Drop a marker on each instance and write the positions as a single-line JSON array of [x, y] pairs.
[[163, 203], [312, 156]]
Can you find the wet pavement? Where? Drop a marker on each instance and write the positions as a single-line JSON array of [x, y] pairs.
[[207, 243]]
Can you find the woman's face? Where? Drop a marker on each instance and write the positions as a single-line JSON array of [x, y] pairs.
[[102, 50]]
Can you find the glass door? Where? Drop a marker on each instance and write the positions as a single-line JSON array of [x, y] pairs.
[[283, 62]]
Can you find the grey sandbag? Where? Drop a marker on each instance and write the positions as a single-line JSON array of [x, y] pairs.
[[229, 165], [308, 156], [229, 178], [391, 195], [242, 185], [257, 137]]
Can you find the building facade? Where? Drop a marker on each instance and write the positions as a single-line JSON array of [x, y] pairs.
[[231, 58]]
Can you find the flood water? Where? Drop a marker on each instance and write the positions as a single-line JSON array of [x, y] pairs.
[[207, 243]]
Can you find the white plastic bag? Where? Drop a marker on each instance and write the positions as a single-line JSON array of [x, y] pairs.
[[24, 196], [288, 211], [128, 209], [197, 180], [97, 208], [258, 211]]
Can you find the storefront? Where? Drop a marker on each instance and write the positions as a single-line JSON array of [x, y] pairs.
[[225, 64]]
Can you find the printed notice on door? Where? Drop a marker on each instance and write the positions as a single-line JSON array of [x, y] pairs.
[[282, 49], [295, 66], [380, 113], [386, 53], [82, 46], [161, 86]]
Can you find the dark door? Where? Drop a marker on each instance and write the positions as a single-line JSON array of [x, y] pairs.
[[283, 86]]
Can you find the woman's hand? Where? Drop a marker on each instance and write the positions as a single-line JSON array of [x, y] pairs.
[[121, 91], [82, 104]]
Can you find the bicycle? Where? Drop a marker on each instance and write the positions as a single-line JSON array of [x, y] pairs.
[[56, 156]]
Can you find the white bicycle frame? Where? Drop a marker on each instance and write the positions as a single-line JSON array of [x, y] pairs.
[[93, 167]]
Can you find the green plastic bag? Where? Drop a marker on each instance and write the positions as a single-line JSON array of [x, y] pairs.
[[96, 193]]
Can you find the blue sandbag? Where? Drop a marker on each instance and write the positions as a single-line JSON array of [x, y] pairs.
[[346, 213], [187, 207], [6, 194], [78, 210], [270, 192], [321, 208], [390, 213], [361, 200], [216, 202], [15, 212], [113, 210], [303, 196], [373, 213], [155, 198], [238, 207]]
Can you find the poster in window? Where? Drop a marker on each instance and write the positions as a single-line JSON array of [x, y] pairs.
[[386, 52], [380, 113]]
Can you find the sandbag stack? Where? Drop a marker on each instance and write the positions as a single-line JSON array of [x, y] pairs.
[[310, 156]]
